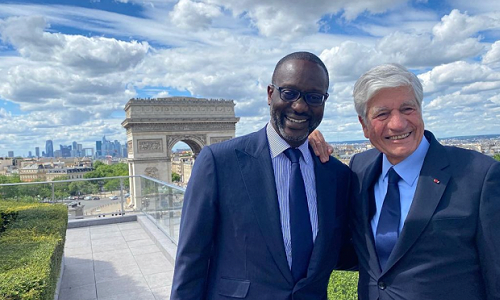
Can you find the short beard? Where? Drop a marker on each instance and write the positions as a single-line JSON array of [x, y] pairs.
[[279, 121]]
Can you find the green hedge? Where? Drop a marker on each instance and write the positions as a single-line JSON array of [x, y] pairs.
[[343, 285], [31, 246]]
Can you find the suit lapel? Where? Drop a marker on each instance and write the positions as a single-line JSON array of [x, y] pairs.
[[430, 188], [369, 177], [257, 170]]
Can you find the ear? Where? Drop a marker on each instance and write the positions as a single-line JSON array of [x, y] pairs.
[[270, 91], [365, 128]]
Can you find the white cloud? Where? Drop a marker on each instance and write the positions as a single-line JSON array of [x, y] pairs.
[[94, 55], [349, 60], [458, 26], [194, 15], [454, 75], [477, 7], [480, 86], [412, 49], [493, 55], [282, 19]]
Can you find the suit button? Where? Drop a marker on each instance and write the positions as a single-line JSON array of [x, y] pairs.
[[382, 285]]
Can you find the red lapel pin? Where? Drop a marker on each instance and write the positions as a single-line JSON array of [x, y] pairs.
[[436, 181]]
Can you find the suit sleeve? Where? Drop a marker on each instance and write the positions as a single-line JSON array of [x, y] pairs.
[[197, 230], [348, 260], [488, 237]]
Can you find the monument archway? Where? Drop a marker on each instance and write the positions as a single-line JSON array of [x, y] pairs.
[[154, 126]]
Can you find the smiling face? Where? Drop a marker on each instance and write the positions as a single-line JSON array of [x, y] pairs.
[[394, 123], [294, 121]]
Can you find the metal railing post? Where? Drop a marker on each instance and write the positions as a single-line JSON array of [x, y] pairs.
[[121, 195], [53, 195]]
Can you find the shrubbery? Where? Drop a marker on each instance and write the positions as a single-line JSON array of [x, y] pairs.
[[31, 245], [343, 285]]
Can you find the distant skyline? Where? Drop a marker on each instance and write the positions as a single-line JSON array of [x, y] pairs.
[[67, 68]]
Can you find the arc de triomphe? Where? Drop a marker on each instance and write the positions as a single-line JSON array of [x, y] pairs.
[[154, 126]]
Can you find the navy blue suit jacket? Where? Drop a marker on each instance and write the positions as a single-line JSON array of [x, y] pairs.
[[231, 244], [449, 247]]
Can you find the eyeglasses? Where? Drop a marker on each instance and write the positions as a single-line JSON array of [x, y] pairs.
[[291, 95]]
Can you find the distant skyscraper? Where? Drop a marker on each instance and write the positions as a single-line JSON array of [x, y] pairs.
[[98, 148], [124, 150], [49, 148], [11, 154], [65, 151], [117, 149], [37, 151], [29, 154], [74, 151]]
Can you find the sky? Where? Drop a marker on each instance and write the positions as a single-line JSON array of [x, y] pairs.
[[67, 68]]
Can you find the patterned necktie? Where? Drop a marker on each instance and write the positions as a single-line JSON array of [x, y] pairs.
[[388, 224], [300, 223]]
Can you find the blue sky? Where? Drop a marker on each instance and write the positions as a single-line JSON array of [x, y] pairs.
[[67, 68]]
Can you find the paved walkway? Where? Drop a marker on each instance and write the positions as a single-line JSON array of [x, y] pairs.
[[111, 262]]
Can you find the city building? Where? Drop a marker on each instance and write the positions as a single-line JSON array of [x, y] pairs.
[[65, 151], [33, 172], [11, 154], [49, 148], [98, 148], [69, 173], [182, 164]]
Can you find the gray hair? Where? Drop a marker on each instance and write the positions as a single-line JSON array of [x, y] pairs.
[[382, 77]]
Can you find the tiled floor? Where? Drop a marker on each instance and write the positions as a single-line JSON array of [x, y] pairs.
[[111, 262]]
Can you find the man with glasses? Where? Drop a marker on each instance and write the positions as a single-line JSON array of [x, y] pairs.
[[263, 218]]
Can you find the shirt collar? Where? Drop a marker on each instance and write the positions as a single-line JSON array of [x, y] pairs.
[[410, 167], [278, 145]]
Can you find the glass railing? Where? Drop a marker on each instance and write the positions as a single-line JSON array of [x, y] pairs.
[[107, 197], [162, 202], [85, 198]]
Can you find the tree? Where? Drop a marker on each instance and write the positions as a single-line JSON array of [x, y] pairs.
[[497, 157], [103, 170], [61, 189], [9, 192], [176, 177]]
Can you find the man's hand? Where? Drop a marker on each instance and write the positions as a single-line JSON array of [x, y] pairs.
[[320, 146]]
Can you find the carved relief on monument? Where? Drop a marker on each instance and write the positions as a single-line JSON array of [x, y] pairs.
[[151, 127], [149, 146], [152, 172], [187, 110], [130, 149], [218, 139]]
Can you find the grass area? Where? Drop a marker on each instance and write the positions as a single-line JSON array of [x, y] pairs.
[[343, 285]]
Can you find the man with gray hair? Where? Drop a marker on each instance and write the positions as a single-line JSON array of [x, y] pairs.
[[425, 218]]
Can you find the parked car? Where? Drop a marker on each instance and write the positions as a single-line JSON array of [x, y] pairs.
[[80, 197], [96, 198], [88, 198], [113, 198]]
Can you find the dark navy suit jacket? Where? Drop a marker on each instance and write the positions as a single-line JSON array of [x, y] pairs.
[[449, 247], [231, 244]]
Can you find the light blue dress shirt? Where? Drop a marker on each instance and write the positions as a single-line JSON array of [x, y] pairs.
[[408, 170], [282, 168]]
